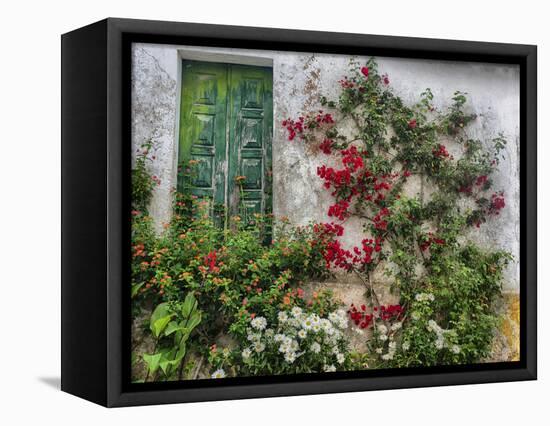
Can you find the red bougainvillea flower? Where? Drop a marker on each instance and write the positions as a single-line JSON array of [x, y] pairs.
[[365, 71], [324, 118], [329, 228], [441, 151], [412, 124], [346, 84], [481, 180], [497, 203], [352, 159], [326, 146], [294, 127], [339, 210], [429, 240]]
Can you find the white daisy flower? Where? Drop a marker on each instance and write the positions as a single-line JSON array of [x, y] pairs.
[[296, 311], [279, 338], [406, 346], [439, 343], [253, 337], [302, 334], [307, 324], [259, 347], [290, 357], [316, 328], [329, 368], [315, 347], [246, 353], [340, 358], [259, 323], [282, 316], [455, 349], [388, 356], [383, 337], [415, 316], [325, 324], [269, 332], [378, 350], [315, 320], [218, 374], [382, 329]]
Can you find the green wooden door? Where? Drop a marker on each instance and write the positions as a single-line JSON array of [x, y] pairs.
[[226, 125]]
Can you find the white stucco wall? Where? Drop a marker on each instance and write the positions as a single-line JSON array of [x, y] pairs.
[[298, 79]]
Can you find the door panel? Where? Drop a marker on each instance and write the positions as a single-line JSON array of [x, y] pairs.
[[250, 134], [203, 127]]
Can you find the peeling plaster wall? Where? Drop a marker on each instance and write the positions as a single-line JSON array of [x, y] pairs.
[[299, 78]]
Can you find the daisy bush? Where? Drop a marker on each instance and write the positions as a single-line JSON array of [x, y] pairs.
[[299, 341]]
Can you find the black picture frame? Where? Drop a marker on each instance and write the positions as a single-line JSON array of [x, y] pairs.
[[95, 210]]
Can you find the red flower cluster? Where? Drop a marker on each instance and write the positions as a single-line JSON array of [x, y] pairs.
[[359, 316], [335, 254], [379, 222], [481, 180], [339, 210], [352, 159], [365, 71], [326, 146], [346, 84], [210, 261], [294, 127], [431, 239], [465, 189], [441, 151], [363, 319], [155, 179], [337, 178], [329, 228], [390, 312], [385, 79], [412, 124], [369, 246], [497, 203], [324, 118]]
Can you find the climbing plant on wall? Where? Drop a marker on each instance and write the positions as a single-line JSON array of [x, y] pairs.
[[447, 284]]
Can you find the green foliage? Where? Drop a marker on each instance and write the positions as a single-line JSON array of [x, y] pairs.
[[171, 325]]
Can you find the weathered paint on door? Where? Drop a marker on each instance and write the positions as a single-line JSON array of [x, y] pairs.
[[226, 125]]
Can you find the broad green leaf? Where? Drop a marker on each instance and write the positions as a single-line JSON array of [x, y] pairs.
[[159, 325], [189, 305], [167, 362], [172, 327], [152, 361]]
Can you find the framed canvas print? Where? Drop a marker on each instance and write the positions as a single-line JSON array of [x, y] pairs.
[[255, 212]]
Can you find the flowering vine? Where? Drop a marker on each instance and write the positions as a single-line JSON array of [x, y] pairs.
[[392, 147]]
